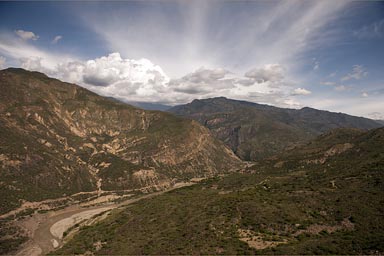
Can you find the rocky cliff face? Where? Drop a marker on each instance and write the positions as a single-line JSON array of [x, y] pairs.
[[57, 139], [254, 131]]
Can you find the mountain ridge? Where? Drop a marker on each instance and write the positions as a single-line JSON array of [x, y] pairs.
[[255, 131], [59, 138]]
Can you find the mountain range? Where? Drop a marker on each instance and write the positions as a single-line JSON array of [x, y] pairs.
[[324, 197], [255, 131], [59, 139], [276, 181]]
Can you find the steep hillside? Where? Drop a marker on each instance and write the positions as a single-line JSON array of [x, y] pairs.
[[254, 131], [325, 197], [58, 139]]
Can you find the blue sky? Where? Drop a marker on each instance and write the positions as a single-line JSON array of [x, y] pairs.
[[323, 54]]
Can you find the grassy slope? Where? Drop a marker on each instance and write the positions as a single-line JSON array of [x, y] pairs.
[[275, 202]]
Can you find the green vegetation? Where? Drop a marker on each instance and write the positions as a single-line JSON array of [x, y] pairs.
[[10, 237], [255, 131], [334, 207], [58, 139]]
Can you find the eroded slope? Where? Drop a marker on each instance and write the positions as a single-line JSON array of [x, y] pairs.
[[58, 139]]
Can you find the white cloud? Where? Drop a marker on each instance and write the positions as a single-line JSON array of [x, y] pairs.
[[364, 94], [2, 61], [374, 30], [32, 63], [26, 35], [203, 81], [270, 72], [301, 91], [141, 80], [358, 72], [109, 69], [116, 77], [376, 115], [16, 49], [57, 39], [253, 37]]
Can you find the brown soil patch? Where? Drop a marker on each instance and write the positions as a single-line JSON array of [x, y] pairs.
[[257, 240]]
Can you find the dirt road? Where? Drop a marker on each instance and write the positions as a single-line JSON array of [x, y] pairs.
[[47, 229]]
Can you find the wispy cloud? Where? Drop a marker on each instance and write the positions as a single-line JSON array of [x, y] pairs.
[[316, 64], [358, 72], [253, 37], [26, 35], [21, 50], [341, 88], [57, 39], [374, 30]]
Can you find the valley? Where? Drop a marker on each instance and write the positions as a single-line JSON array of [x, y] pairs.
[[84, 174], [315, 199], [50, 230], [200, 127]]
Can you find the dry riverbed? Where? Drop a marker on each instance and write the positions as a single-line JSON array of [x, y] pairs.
[[47, 230]]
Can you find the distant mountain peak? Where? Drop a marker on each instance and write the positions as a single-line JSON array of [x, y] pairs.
[[254, 131]]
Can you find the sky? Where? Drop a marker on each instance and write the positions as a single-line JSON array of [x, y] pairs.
[[325, 54]]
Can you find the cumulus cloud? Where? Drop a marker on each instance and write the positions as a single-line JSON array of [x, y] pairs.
[[202, 81], [358, 72], [2, 61], [26, 35], [364, 94], [116, 77], [141, 80], [374, 30], [206, 75], [268, 73], [301, 91], [57, 39]]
